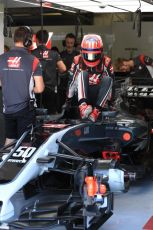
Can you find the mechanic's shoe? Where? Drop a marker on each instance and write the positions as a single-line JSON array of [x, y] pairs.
[[94, 115], [85, 110]]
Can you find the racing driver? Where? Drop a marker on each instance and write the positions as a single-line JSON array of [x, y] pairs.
[[91, 76]]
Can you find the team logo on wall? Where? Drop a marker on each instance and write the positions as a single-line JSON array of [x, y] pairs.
[[14, 62]]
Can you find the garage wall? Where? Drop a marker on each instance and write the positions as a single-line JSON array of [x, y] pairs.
[[119, 38], [61, 31], [127, 44]]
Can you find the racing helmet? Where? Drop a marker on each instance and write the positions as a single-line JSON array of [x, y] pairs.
[[91, 49]]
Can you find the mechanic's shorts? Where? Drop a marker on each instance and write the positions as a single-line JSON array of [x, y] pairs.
[[17, 123]]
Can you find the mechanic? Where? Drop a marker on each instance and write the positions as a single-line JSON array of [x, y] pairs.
[[69, 52], [20, 78], [92, 74], [67, 56], [140, 66], [51, 63]]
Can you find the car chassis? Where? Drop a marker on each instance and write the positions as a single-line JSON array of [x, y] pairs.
[[55, 175]]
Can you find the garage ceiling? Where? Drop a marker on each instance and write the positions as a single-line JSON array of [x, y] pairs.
[[67, 12], [106, 6], [94, 6]]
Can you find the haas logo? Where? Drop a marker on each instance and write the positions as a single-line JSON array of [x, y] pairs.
[[14, 62], [45, 54]]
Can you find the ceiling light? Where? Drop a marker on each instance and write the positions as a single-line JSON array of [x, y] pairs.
[[48, 4], [63, 9], [30, 3], [52, 14], [23, 15]]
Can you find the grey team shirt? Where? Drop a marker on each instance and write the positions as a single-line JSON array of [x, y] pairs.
[[16, 75], [48, 59]]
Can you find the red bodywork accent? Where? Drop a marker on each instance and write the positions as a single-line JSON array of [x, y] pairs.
[[92, 186], [126, 136], [149, 224], [107, 155], [77, 132], [151, 131]]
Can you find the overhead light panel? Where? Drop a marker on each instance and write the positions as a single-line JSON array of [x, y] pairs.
[[49, 4], [30, 3], [105, 6], [63, 9], [52, 14]]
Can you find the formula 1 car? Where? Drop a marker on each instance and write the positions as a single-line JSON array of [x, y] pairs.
[[137, 95], [134, 99], [62, 173]]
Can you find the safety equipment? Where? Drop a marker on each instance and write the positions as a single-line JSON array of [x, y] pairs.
[[91, 49], [85, 110], [94, 115], [28, 36]]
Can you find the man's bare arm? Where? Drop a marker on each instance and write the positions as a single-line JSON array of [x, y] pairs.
[[39, 84], [61, 66]]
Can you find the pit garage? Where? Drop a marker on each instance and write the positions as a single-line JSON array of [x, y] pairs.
[[74, 173]]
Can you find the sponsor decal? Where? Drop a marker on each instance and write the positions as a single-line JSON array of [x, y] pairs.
[[94, 79], [86, 130], [22, 154], [134, 91], [45, 54], [14, 62]]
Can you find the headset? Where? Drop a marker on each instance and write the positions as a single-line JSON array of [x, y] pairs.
[[70, 35], [28, 36]]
